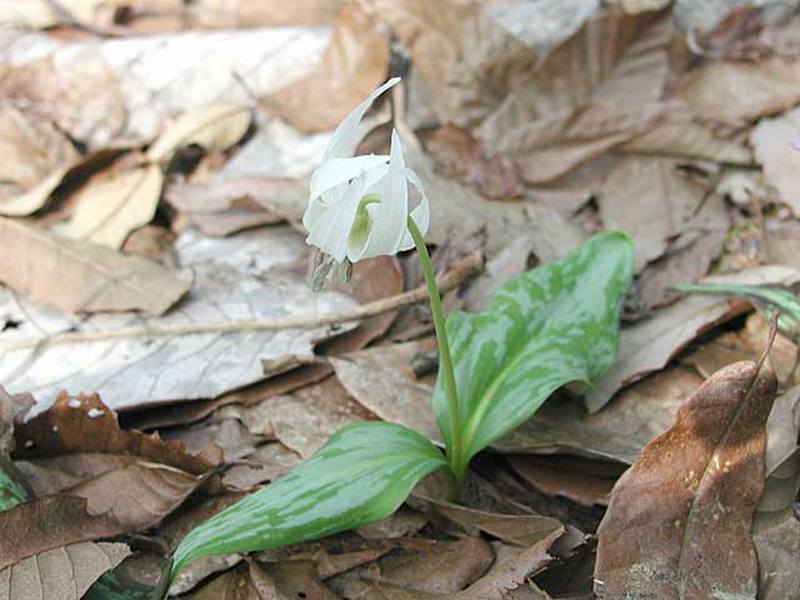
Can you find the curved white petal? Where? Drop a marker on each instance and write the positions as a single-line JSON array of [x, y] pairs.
[[345, 138], [389, 216], [331, 229], [336, 171], [421, 213]]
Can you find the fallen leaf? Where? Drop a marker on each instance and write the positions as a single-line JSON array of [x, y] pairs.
[[83, 277], [38, 14], [515, 529], [64, 572], [649, 345], [669, 203], [117, 356], [214, 127], [570, 110], [777, 542], [107, 211], [382, 380], [735, 93], [353, 64], [587, 482], [769, 139], [83, 424], [686, 263], [35, 149], [50, 523], [679, 519]]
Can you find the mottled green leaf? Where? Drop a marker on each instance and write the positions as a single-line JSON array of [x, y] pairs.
[[768, 297], [11, 492], [554, 325], [362, 474]]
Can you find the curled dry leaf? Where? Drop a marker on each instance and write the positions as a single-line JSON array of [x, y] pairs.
[[106, 211], [83, 277], [679, 521], [214, 127], [66, 572], [83, 424], [354, 63]]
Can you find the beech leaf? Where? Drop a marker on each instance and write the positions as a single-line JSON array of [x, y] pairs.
[[679, 521]]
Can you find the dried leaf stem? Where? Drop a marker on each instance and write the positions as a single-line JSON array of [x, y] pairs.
[[467, 267]]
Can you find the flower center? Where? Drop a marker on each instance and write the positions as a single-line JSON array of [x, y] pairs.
[[363, 222]]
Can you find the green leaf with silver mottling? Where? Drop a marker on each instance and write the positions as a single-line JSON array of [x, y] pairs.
[[362, 474], [11, 492], [555, 325], [774, 298]]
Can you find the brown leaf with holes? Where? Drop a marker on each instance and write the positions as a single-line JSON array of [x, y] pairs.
[[83, 424], [679, 521], [66, 573]]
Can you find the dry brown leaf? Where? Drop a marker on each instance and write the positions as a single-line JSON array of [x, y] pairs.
[[38, 14], [687, 263], [679, 521], [32, 200], [236, 280], [573, 110], [654, 201], [383, 381], [769, 139], [232, 14], [618, 432], [748, 343], [735, 93], [637, 6], [517, 529], [108, 210], [649, 345], [214, 127], [585, 481], [354, 63], [34, 150], [51, 522], [83, 424], [65, 573], [778, 545], [82, 277]]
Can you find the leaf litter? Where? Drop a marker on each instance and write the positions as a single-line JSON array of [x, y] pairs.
[[158, 162]]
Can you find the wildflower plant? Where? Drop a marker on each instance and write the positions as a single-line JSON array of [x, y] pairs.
[[555, 325]]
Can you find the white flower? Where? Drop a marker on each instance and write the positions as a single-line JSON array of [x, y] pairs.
[[358, 206]]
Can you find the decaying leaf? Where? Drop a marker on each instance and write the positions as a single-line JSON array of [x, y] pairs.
[[117, 357], [65, 572], [214, 127], [353, 64], [649, 345], [769, 139], [106, 211], [83, 277], [382, 380], [669, 203], [678, 524]]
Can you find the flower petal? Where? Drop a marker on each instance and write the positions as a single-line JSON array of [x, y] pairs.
[[331, 230], [346, 137], [337, 171], [389, 217], [421, 213]]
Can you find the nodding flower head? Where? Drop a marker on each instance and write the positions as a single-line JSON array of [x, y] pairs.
[[358, 206]]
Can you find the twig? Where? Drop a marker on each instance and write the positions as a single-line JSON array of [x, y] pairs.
[[467, 267]]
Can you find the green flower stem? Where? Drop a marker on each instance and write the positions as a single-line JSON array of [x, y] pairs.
[[454, 450]]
